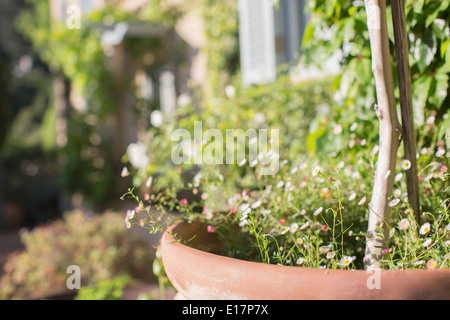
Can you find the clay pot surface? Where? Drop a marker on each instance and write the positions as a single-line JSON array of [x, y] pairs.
[[201, 275]]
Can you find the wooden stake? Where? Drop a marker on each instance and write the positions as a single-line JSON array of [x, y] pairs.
[[389, 132], [404, 84]]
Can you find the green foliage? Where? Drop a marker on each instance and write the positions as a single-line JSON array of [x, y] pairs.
[[98, 244], [295, 217], [222, 42], [283, 105], [428, 32], [104, 290], [313, 213], [79, 56]]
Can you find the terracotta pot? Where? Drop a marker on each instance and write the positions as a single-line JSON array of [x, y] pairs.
[[201, 275]]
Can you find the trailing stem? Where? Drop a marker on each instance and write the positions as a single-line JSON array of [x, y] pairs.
[[389, 132]]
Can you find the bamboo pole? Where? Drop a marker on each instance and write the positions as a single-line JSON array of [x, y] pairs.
[[404, 84], [389, 132]]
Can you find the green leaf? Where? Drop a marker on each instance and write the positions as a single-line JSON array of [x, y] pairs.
[[421, 89], [425, 50], [444, 47], [440, 86]]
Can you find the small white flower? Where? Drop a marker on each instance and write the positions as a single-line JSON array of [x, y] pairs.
[[425, 228], [353, 126], [256, 204], [418, 263], [362, 201], [397, 193], [345, 261], [430, 120], [294, 170], [246, 212], [330, 255], [230, 91], [280, 184], [352, 197], [317, 211], [243, 222], [259, 118], [440, 152], [403, 224], [157, 118], [304, 226], [243, 161], [427, 242], [406, 164], [124, 172], [448, 227], [356, 175], [184, 100], [337, 128], [244, 207], [351, 143], [293, 227], [285, 230], [447, 243], [324, 249], [398, 177], [316, 171], [137, 154], [299, 241], [387, 174], [404, 197], [300, 261], [394, 202]]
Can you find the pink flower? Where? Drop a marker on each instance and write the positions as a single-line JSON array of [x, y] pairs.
[[325, 228], [210, 229], [180, 168], [281, 221], [386, 250], [184, 202], [146, 197], [431, 264], [233, 210], [141, 223]]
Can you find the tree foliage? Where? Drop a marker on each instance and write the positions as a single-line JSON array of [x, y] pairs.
[[342, 25]]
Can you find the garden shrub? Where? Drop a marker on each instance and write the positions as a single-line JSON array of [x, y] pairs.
[[98, 244]]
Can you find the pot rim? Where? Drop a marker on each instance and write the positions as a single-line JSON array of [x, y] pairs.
[[197, 274], [168, 238]]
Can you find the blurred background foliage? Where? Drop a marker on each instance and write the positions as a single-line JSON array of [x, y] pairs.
[[98, 244], [325, 118], [344, 23]]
